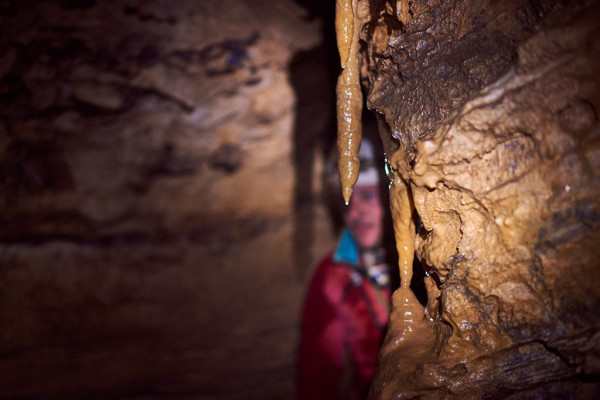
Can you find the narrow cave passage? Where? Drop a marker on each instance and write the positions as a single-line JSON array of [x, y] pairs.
[[164, 195]]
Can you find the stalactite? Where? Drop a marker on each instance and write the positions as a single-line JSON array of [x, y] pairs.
[[350, 17]]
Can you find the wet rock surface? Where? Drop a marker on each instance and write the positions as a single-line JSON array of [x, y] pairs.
[[494, 107], [429, 62]]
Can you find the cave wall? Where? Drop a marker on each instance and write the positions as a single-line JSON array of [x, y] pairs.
[[148, 195], [494, 110]]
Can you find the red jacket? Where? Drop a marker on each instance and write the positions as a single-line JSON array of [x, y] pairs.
[[342, 328]]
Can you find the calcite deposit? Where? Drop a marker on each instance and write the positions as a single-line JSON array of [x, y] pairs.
[[490, 110], [349, 20]]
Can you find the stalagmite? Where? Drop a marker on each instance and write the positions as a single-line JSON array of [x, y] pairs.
[[410, 336]]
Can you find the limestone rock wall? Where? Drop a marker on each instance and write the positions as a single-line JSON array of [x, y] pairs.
[[494, 105], [147, 191]]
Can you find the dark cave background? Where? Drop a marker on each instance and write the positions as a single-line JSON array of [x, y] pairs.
[[164, 172]]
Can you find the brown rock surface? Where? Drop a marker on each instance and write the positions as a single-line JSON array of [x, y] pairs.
[[495, 109], [147, 196]]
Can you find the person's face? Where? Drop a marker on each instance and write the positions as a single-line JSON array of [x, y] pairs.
[[364, 216]]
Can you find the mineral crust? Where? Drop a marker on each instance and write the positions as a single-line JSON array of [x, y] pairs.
[[493, 106]]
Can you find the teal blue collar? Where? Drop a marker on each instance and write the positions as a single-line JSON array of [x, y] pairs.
[[346, 250]]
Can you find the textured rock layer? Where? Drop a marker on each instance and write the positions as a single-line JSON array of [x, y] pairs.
[[494, 108], [147, 189]]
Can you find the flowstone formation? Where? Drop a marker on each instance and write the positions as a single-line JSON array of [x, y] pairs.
[[489, 114]]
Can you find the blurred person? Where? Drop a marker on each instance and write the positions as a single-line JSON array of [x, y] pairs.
[[346, 308]]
